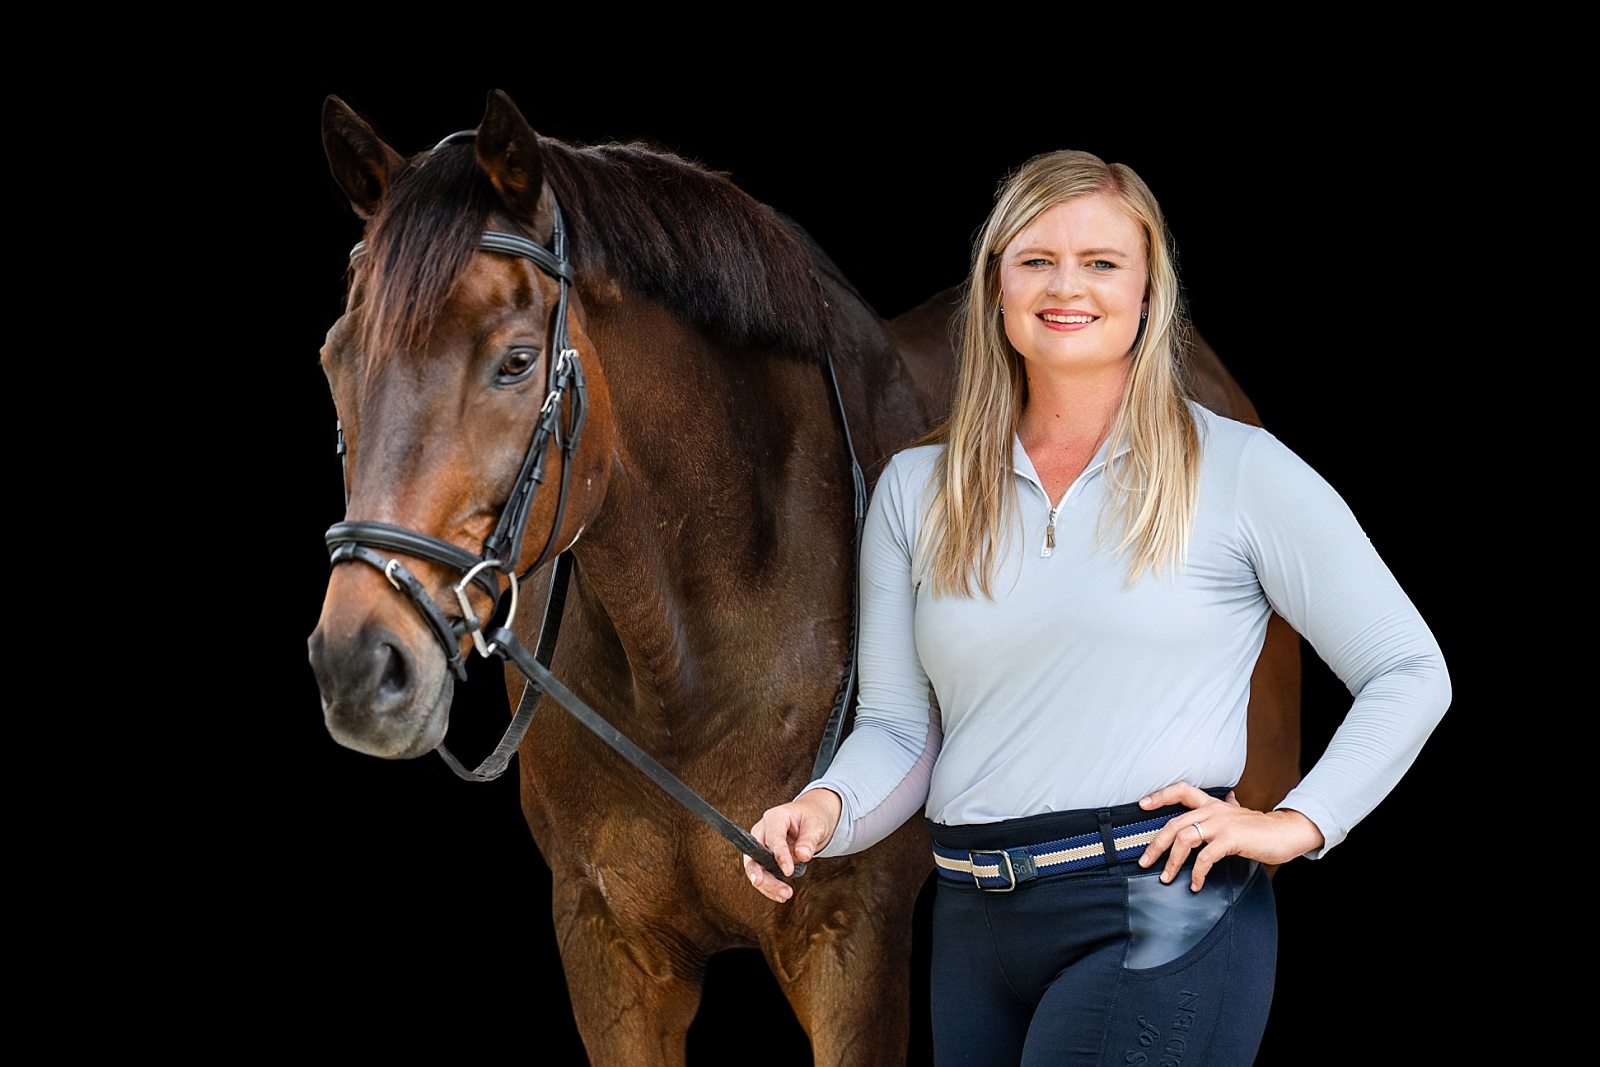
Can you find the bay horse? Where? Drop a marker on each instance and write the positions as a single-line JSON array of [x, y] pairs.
[[710, 521]]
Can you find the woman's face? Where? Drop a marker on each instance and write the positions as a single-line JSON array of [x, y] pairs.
[[1073, 286]]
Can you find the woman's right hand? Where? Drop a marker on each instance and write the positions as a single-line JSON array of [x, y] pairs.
[[793, 831]]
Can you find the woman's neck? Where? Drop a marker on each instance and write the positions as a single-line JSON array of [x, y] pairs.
[[1067, 418]]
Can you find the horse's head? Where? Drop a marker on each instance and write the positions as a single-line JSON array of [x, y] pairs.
[[439, 368]]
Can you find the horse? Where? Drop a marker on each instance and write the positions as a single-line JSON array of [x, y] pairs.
[[707, 508]]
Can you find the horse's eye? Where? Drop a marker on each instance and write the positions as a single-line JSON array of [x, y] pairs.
[[518, 362]]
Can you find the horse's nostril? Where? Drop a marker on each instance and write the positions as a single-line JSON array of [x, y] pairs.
[[394, 679]]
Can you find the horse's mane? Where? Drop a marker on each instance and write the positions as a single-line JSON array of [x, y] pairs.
[[667, 228]]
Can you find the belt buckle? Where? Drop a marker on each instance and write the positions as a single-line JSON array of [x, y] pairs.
[[1011, 871]]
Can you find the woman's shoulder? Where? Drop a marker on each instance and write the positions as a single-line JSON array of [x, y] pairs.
[[906, 480], [1249, 466], [920, 461], [911, 470], [1220, 432], [1231, 447]]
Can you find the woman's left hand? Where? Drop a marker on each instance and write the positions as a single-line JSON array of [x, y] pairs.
[[1224, 829]]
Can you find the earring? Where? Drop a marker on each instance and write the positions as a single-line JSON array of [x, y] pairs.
[[1002, 310], [1143, 315]]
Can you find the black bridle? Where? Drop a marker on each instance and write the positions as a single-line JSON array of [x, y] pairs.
[[358, 541]]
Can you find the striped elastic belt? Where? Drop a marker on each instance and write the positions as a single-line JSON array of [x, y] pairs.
[[1001, 870]]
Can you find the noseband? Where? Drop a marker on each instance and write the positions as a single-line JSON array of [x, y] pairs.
[[358, 542]]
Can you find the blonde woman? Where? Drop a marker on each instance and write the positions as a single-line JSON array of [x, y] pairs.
[[1063, 593]]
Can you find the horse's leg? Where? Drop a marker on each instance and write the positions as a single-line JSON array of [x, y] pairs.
[[1272, 764], [633, 995], [842, 955], [634, 989], [853, 994]]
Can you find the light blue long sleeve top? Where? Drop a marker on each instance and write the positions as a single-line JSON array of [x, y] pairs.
[[1071, 689]]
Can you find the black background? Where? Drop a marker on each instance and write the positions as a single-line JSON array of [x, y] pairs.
[[1316, 231]]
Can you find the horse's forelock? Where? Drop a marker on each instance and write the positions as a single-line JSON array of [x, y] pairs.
[[418, 245]]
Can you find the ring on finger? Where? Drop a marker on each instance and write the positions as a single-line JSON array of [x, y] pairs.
[[1199, 831]]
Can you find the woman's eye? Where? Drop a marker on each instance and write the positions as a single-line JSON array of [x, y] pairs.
[[1103, 264], [1036, 263], [518, 362]]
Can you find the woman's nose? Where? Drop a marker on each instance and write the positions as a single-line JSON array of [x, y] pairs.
[[1064, 280]]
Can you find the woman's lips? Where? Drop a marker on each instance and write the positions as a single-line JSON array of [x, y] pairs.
[[1066, 321]]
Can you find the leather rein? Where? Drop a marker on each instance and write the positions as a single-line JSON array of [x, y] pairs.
[[360, 541]]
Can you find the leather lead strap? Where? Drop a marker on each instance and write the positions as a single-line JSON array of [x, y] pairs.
[[506, 645], [549, 630], [497, 761], [541, 682]]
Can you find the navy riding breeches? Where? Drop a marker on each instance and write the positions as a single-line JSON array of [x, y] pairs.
[[1102, 966]]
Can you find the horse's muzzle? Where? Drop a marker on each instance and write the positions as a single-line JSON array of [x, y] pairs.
[[378, 695]]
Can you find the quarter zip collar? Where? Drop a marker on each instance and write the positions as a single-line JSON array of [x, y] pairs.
[[1023, 466]]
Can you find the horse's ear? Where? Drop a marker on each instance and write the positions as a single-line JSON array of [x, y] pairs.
[[362, 164], [508, 151]]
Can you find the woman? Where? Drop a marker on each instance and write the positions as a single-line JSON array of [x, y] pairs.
[[1063, 593]]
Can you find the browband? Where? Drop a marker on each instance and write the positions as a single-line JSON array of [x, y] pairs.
[[512, 245]]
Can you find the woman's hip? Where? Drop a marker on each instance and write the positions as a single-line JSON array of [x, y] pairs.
[[1073, 963]]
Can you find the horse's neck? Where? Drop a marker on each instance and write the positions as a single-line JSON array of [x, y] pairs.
[[721, 556]]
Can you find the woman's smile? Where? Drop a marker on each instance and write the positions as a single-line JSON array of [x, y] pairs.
[[1066, 321]]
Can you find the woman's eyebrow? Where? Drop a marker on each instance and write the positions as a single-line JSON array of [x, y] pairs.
[[1043, 250]]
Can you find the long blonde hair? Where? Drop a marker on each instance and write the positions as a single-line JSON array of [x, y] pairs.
[[1154, 488]]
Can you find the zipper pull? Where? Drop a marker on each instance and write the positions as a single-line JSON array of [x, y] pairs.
[[1050, 534]]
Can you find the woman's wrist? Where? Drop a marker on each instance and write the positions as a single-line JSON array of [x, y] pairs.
[[1301, 834], [825, 806]]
